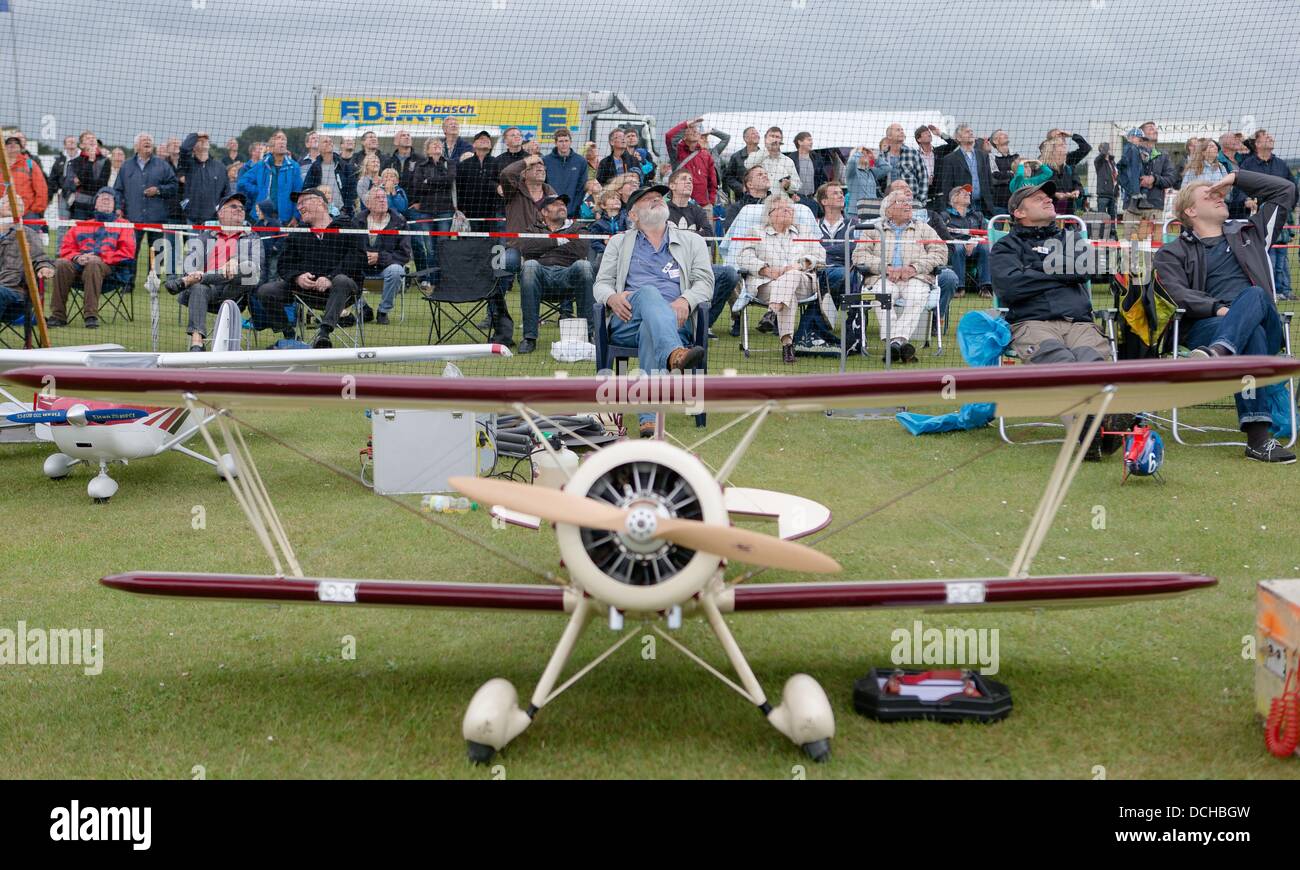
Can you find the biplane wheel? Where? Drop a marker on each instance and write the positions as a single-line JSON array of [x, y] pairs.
[[479, 753], [101, 501], [819, 750]]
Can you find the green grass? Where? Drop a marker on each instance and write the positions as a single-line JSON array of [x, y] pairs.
[[1146, 690]]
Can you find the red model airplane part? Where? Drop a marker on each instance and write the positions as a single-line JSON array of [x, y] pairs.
[[1030, 390], [1028, 592]]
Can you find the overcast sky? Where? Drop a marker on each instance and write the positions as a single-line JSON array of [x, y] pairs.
[[171, 66]]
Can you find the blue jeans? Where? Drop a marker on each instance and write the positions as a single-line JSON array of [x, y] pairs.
[[1251, 326], [653, 329], [957, 258], [724, 281], [1281, 272], [536, 281], [424, 249], [13, 304], [948, 284], [394, 277]]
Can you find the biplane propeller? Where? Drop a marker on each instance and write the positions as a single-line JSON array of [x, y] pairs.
[[643, 529]]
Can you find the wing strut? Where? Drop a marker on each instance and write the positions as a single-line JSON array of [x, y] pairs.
[[1073, 448], [250, 493]]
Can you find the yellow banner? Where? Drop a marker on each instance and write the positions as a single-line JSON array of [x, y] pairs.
[[423, 115]]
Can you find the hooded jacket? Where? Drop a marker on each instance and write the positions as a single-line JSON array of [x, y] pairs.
[[257, 182], [1180, 264], [1028, 288]]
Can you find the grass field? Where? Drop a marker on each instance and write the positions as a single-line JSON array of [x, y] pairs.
[[1145, 690]]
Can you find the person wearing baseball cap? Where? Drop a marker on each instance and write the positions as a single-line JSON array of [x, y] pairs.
[[223, 263], [652, 279], [322, 268], [960, 218], [1048, 299], [1042, 275], [553, 267]]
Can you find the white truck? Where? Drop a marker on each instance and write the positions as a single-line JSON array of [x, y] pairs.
[[589, 115]]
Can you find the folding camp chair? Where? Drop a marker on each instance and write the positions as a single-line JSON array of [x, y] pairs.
[[373, 282], [1180, 426], [467, 284], [996, 231], [117, 294], [614, 357], [309, 313]]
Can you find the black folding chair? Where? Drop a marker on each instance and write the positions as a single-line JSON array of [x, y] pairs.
[[464, 289], [117, 293]]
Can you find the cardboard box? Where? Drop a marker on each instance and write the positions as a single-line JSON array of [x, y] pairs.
[[1277, 638]]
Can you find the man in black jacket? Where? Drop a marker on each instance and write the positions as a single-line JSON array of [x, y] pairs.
[[1036, 276], [207, 184], [955, 170], [1221, 273], [320, 267]]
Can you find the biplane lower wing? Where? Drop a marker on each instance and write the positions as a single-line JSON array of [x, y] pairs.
[[1080, 590], [1022, 390]]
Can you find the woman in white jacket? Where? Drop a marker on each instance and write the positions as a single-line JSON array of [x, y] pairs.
[[779, 267]]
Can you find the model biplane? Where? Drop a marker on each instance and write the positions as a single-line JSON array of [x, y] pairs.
[[642, 527]]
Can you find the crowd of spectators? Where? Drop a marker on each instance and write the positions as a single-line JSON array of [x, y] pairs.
[[783, 214]]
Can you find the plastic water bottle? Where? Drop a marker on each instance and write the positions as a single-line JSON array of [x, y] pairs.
[[446, 504]]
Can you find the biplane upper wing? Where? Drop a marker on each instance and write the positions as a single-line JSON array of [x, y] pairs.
[[999, 593], [246, 359], [1021, 390]]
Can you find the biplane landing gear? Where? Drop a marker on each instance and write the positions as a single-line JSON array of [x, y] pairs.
[[492, 720], [102, 487]]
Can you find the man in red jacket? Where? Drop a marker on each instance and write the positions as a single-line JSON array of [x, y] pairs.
[[89, 253], [690, 154]]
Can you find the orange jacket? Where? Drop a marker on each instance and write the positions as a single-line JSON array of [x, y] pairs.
[[29, 183]]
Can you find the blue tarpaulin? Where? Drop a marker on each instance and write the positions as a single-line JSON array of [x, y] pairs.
[[982, 336]]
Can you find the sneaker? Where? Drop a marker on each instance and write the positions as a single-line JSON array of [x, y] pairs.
[[647, 429], [735, 327], [713, 336], [174, 285], [196, 348], [787, 354], [381, 319], [1199, 353], [54, 323], [368, 313], [346, 320], [768, 322], [322, 341], [92, 323], [685, 358], [908, 352], [986, 293], [1271, 451], [528, 345]]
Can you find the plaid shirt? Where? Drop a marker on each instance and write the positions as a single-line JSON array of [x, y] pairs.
[[911, 168]]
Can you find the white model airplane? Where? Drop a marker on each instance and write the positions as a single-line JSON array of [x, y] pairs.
[[226, 353], [643, 527], [101, 433]]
